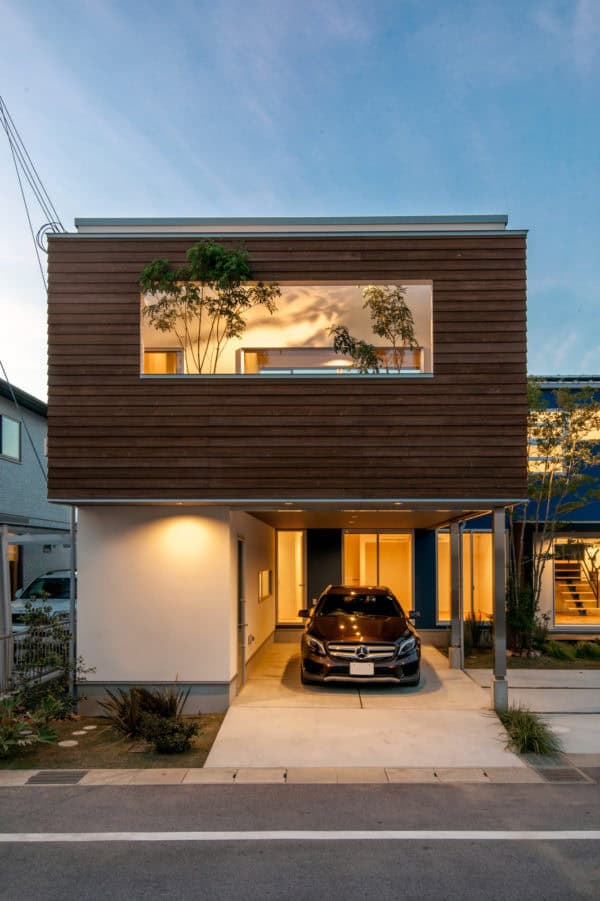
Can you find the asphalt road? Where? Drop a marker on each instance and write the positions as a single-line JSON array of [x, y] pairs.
[[438, 867]]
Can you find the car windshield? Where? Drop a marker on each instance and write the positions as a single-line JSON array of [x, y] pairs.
[[48, 586], [353, 604]]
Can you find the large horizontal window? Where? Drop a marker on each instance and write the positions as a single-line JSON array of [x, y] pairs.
[[324, 330], [10, 438], [576, 581]]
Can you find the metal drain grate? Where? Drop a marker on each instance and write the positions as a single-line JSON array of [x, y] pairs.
[[56, 777], [561, 774]]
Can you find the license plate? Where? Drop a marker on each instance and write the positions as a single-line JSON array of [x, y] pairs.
[[362, 669]]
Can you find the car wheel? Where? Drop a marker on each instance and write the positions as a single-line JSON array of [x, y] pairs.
[[303, 678]]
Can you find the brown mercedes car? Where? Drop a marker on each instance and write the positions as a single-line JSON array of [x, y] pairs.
[[359, 634]]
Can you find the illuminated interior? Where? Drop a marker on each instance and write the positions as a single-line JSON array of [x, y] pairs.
[[380, 558], [295, 339], [477, 576], [290, 576], [576, 581]]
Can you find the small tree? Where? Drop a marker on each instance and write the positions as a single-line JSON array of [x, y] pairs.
[[560, 481], [363, 355], [391, 318], [204, 303]]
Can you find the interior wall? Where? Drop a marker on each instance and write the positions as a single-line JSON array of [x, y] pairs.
[[259, 554], [154, 594]]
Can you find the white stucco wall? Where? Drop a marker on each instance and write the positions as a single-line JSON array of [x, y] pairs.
[[546, 605], [155, 594], [259, 554]]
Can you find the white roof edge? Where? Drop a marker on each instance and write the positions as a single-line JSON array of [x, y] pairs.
[[304, 225]]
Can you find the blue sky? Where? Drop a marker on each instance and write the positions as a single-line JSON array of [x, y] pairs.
[[312, 107]]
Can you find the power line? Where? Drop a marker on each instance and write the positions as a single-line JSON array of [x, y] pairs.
[[27, 173]]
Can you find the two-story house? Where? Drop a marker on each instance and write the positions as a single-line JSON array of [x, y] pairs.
[[220, 490], [570, 585], [24, 507]]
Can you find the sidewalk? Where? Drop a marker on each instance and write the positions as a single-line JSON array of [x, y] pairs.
[[568, 700], [565, 769]]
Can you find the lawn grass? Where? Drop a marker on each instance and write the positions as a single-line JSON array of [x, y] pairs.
[[103, 748], [484, 659]]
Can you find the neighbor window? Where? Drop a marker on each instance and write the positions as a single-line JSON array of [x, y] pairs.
[[10, 438], [324, 330]]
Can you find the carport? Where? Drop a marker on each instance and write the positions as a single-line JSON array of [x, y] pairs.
[[420, 515]]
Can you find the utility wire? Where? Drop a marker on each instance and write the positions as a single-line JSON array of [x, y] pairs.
[[24, 166], [35, 245], [28, 166]]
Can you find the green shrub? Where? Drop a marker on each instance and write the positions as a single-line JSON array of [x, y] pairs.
[[125, 709], [168, 735], [560, 650], [20, 730], [539, 634], [43, 669], [587, 650], [528, 734], [166, 702]]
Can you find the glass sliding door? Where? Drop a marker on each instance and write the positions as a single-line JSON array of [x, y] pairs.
[[290, 576], [477, 580], [380, 558]]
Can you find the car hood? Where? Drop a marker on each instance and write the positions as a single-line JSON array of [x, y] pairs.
[[369, 628]]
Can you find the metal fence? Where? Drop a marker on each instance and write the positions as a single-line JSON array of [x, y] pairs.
[[36, 656]]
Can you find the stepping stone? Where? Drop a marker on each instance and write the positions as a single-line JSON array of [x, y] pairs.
[[89, 728], [79, 732], [68, 743]]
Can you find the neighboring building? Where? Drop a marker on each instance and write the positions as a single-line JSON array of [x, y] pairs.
[[213, 507], [24, 506], [570, 594]]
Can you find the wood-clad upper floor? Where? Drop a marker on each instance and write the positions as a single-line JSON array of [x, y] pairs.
[[459, 433]]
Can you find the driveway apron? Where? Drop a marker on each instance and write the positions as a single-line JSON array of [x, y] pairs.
[[277, 722]]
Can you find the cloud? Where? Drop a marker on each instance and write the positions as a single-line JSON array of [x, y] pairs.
[[575, 32]]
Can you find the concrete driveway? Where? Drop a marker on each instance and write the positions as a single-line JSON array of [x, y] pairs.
[[569, 701], [277, 722]]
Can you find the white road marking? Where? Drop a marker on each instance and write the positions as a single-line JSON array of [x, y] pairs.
[[435, 835]]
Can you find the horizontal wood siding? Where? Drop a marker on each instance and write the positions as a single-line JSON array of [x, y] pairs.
[[459, 434]]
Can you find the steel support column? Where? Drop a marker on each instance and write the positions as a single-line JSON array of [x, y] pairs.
[[499, 683], [456, 651]]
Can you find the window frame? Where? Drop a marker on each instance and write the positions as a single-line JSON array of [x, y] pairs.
[[10, 457]]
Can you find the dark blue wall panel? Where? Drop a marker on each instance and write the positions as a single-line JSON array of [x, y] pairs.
[[425, 578], [323, 560]]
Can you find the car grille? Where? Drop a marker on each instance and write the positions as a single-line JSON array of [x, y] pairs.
[[349, 651]]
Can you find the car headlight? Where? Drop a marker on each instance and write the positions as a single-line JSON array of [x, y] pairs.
[[316, 646], [406, 645]]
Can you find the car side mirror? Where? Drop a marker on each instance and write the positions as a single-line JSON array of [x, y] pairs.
[[413, 614], [305, 614]]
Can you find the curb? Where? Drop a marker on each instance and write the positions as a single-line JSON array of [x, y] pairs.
[[283, 776]]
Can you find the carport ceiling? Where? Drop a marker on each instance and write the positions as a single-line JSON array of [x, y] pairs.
[[361, 519]]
